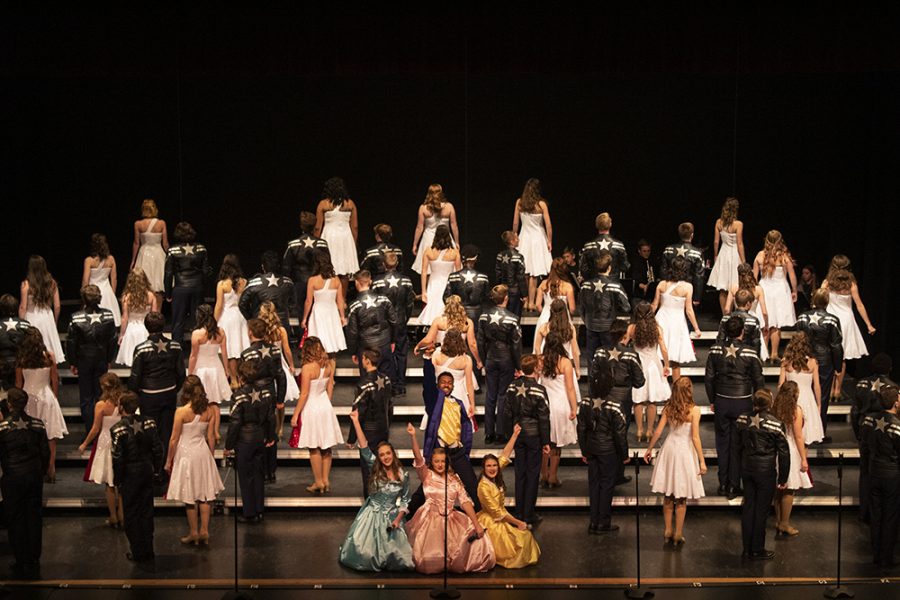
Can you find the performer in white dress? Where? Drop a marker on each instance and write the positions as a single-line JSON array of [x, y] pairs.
[[556, 286], [100, 270], [209, 347], [39, 304], [789, 412], [106, 414], [276, 334], [194, 476], [319, 430], [535, 237], [647, 336], [558, 378], [151, 242], [228, 292], [451, 358], [336, 223], [36, 374], [437, 263], [774, 268], [799, 366], [435, 210], [137, 300], [679, 467], [728, 245], [324, 312], [674, 300]]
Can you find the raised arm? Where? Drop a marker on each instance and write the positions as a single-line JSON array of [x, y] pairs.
[[508, 448], [416, 450], [361, 440]]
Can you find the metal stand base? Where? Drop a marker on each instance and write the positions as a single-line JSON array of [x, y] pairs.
[[639, 593], [444, 593], [838, 591]]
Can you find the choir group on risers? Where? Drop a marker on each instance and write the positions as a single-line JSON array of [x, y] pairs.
[[242, 352]]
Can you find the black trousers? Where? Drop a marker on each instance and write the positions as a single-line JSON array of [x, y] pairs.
[[462, 467], [499, 374], [514, 303], [373, 441], [597, 339], [602, 473], [759, 490], [429, 386], [865, 487], [299, 304], [884, 503], [22, 501], [401, 350], [137, 504], [161, 408], [727, 412], [89, 372], [249, 459], [826, 377], [528, 473], [185, 301]]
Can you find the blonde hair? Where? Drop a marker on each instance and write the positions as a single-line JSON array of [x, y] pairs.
[[678, 408], [148, 209], [136, 288], [455, 313], [729, 211], [775, 251], [435, 198], [268, 316]]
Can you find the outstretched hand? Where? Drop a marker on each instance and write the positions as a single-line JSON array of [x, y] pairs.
[[410, 429]]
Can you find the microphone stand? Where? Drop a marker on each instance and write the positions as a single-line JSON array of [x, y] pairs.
[[444, 592], [635, 591], [235, 594], [837, 590]]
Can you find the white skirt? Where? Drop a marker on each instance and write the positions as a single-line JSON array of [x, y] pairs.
[[235, 327], [724, 275], [42, 319], [215, 382], [797, 480], [152, 259], [533, 246], [342, 248], [195, 476], [676, 335], [676, 471], [43, 405], [135, 333], [319, 427], [656, 387], [779, 305]]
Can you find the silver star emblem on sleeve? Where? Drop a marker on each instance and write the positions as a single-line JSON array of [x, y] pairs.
[[614, 354], [598, 286], [94, 317], [495, 318], [161, 346], [188, 249], [370, 302], [137, 426], [254, 396], [309, 243], [272, 279], [9, 324], [379, 382], [21, 424], [392, 281], [681, 251], [814, 318], [876, 385], [505, 259], [755, 421], [265, 352], [881, 424], [604, 244], [520, 390], [469, 276], [731, 351]]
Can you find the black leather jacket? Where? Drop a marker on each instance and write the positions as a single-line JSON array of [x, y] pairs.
[[509, 270], [879, 444], [268, 287], [92, 335], [825, 337], [751, 327], [271, 373], [12, 332], [602, 428], [761, 443], [867, 399], [373, 259], [733, 370], [694, 256], [499, 336], [252, 416], [135, 445], [527, 404], [24, 450], [399, 290], [371, 323], [186, 266], [587, 264], [298, 261], [626, 370], [375, 406], [600, 301], [472, 287], [158, 365]]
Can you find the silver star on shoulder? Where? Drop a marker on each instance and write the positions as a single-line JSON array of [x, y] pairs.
[[814, 319], [604, 244], [876, 385], [380, 382], [370, 302], [681, 251], [309, 243], [881, 424], [495, 318], [21, 424], [272, 279], [614, 354], [94, 317], [598, 286], [9, 324], [188, 249], [161, 346], [469, 276], [392, 281], [255, 395], [137, 426], [520, 390], [505, 259], [756, 421], [265, 352], [731, 351]]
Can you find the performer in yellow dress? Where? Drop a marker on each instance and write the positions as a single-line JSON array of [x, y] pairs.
[[514, 545]]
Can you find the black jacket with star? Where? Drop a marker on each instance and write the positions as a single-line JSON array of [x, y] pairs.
[[587, 263], [270, 373], [373, 259], [694, 256], [751, 327], [158, 365], [186, 267], [602, 428], [626, 371], [733, 370], [12, 332], [135, 445], [252, 416], [374, 403], [371, 323], [298, 261], [527, 404], [268, 287], [824, 332], [761, 445], [509, 270], [473, 289], [92, 335], [24, 450], [399, 290], [600, 301], [867, 399], [499, 336], [879, 444]]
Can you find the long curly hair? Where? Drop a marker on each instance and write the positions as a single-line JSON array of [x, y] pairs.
[[454, 344], [839, 262], [746, 278], [559, 272], [206, 320], [729, 211], [531, 196], [442, 238], [435, 198], [231, 270], [111, 388], [797, 353], [194, 395], [137, 286], [785, 406], [314, 352], [646, 330], [554, 350], [774, 251], [41, 284], [380, 474], [679, 270], [840, 280], [559, 322], [269, 316], [335, 190], [681, 402], [32, 352], [456, 314], [99, 246], [323, 268], [498, 479]]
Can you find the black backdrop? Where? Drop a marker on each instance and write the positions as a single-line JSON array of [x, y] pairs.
[[234, 121]]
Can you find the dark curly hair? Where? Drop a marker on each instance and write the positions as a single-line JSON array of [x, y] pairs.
[[184, 233], [746, 278], [99, 246], [646, 330], [206, 320], [679, 270], [785, 406], [193, 395], [442, 238], [335, 191], [559, 322], [454, 344], [323, 265], [32, 352], [554, 350], [231, 269]]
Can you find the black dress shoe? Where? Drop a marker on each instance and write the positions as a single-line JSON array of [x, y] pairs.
[[501, 439], [734, 492], [623, 480], [606, 529], [762, 555], [138, 559], [243, 519], [592, 529], [489, 439], [722, 491], [826, 440]]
